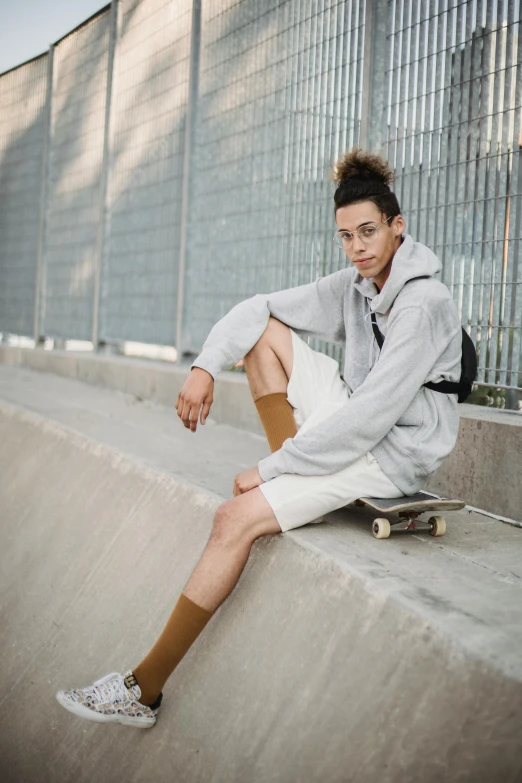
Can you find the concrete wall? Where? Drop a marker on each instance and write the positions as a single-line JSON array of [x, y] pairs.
[[486, 465], [329, 662], [489, 443]]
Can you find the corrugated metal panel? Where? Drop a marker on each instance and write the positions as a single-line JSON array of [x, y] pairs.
[[280, 99], [140, 263], [453, 132], [75, 174], [23, 94]]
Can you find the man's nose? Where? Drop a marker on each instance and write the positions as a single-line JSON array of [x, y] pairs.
[[357, 244]]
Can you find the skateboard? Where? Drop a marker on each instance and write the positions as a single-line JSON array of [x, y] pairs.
[[409, 508]]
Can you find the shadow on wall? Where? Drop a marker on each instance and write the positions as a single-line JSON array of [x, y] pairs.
[[73, 191], [74, 180], [140, 269], [20, 180]]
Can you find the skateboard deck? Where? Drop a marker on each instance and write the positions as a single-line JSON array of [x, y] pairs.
[[409, 508]]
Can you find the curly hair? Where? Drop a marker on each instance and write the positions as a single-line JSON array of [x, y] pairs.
[[363, 176]]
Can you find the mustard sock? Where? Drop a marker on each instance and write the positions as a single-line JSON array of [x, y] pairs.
[[183, 627], [277, 418]]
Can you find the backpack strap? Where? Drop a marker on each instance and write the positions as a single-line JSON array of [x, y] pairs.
[[377, 332], [464, 386]]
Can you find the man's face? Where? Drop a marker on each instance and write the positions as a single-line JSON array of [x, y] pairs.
[[372, 259]]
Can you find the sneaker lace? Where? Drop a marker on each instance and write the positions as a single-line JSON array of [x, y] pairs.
[[110, 688]]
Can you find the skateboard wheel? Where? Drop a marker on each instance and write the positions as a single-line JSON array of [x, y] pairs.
[[438, 526], [381, 528]]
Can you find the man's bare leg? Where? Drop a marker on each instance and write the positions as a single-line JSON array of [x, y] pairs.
[[239, 521], [269, 367], [237, 524], [269, 363]]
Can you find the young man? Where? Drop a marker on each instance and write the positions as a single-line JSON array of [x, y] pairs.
[[376, 432]]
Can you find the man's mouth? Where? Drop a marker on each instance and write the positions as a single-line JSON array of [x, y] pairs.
[[362, 260]]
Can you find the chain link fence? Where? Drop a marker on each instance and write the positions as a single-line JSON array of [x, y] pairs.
[[174, 160]]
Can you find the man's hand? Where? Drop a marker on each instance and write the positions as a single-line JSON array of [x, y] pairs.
[[247, 480], [197, 393]]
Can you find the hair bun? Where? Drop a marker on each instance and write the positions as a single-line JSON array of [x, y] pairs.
[[361, 165]]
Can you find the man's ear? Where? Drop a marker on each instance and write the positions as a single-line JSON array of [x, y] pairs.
[[399, 225]]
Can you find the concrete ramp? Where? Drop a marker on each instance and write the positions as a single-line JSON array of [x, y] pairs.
[[337, 658]]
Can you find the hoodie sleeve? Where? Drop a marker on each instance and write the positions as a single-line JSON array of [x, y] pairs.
[[409, 354], [315, 309]]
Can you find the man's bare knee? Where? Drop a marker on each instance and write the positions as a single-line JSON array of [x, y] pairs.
[[241, 520], [227, 527], [277, 339], [272, 335], [221, 524]]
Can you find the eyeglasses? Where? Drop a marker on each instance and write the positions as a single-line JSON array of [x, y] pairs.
[[367, 234]]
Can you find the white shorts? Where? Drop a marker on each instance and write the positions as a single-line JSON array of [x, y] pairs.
[[315, 391]]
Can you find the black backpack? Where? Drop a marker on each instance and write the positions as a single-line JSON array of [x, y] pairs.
[[468, 365]]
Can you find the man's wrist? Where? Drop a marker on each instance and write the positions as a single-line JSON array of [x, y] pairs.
[[213, 360], [201, 369]]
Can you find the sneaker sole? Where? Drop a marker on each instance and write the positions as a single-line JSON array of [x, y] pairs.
[[84, 712]]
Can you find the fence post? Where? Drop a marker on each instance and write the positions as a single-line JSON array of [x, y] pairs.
[[103, 206], [195, 35], [371, 134], [44, 176]]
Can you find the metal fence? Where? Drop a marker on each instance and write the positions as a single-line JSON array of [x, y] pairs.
[[23, 96], [454, 81], [175, 160], [79, 64], [279, 99], [146, 131]]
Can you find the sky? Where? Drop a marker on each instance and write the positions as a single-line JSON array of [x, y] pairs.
[[27, 27]]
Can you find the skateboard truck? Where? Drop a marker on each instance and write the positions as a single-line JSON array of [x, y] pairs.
[[381, 527], [408, 509], [411, 516]]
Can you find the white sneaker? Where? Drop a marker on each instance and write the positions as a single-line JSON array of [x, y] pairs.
[[113, 698]]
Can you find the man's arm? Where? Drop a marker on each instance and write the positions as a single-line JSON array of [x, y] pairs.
[[410, 352], [315, 309]]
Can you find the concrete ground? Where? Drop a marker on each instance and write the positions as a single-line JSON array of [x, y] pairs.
[[337, 657]]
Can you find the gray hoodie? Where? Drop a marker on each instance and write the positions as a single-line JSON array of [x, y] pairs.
[[409, 429]]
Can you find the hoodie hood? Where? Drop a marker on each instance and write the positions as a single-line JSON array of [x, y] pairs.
[[411, 260]]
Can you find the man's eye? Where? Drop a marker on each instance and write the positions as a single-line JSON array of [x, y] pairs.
[[346, 236], [369, 231]]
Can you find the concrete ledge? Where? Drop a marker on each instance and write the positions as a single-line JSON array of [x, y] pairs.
[[486, 464], [146, 379], [489, 442], [336, 658]]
